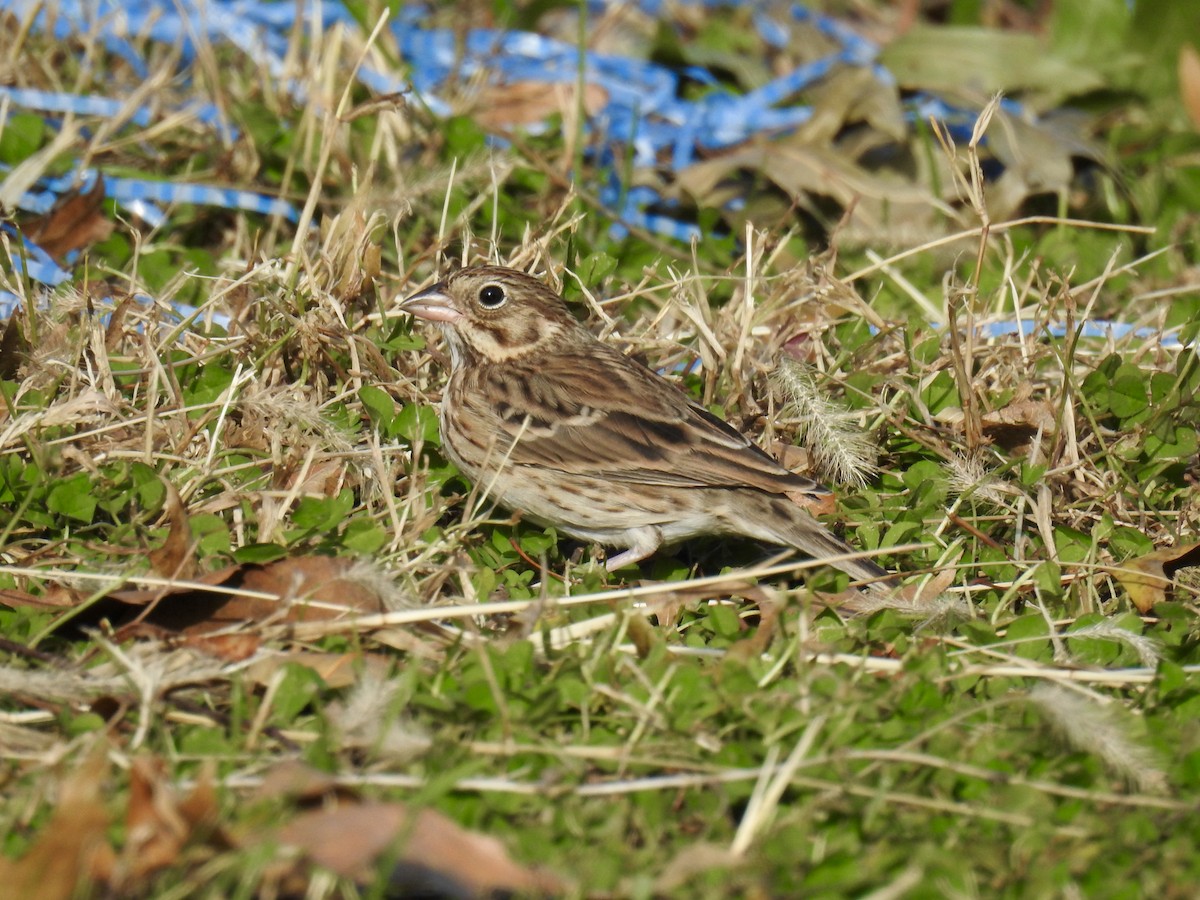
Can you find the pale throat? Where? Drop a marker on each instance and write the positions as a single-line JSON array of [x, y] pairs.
[[455, 344], [500, 344]]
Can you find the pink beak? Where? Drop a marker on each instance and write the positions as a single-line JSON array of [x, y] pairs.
[[432, 304]]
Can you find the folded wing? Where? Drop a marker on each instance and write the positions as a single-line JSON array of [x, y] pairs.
[[604, 415]]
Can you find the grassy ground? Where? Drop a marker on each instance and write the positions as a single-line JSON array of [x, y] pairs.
[[1020, 720]]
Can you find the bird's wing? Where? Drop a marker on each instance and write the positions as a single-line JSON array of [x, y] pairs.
[[605, 415]]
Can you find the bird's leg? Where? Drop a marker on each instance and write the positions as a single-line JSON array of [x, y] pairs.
[[644, 542]]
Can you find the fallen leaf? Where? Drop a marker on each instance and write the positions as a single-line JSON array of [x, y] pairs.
[[56, 599], [1036, 159], [524, 103], [76, 221], [157, 824], [849, 95], [983, 61], [230, 647], [315, 587], [771, 176], [154, 830], [296, 780], [1148, 578], [1016, 424], [349, 840], [822, 505], [1189, 82], [797, 459], [114, 332], [176, 558], [799, 169], [412, 644], [72, 847], [322, 479], [924, 591], [199, 808], [754, 645], [14, 347], [337, 670], [293, 589]]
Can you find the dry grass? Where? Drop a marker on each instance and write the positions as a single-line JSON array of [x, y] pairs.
[[607, 728]]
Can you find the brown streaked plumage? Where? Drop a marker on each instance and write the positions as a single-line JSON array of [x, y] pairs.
[[549, 421]]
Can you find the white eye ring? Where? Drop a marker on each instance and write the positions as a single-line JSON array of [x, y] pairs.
[[492, 296]]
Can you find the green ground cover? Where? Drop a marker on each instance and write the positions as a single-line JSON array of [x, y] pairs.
[[1020, 720]]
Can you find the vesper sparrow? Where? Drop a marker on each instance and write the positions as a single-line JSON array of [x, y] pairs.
[[549, 421]]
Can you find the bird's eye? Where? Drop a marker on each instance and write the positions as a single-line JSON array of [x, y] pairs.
[[492, 297]]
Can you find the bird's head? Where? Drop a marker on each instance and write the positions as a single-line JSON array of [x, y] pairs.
[[493, 314]]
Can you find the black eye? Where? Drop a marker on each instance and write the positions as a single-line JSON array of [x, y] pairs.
[[492, 296]]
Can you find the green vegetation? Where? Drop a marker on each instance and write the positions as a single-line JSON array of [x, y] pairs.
[[1020, 720]]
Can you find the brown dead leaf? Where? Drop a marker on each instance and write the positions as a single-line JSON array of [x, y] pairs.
[[1148, 578], [925, 591], [967, 60], [824, 160], [853, 94], [176, 558], [115, 330], [1189, 82], [249, 433], [296, 780], [412, 643], [76, 221], [791, 457], [200, 808], [155, 831], [317, 587], [350, 839], [296, 589], [56, 599], [337, 670], [72, 847], [172, 609], [754, 645], [1037, 159], [230, 647], [14, 347], [321, 479], [524, 103], [157, 824], [800, 169], [1019, 422], [822, 505]]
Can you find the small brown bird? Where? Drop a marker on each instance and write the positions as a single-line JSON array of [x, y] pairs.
[[550, 422]]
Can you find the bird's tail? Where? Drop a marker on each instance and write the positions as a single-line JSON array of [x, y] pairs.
[[777, 519]]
